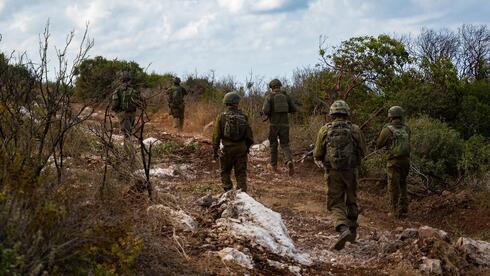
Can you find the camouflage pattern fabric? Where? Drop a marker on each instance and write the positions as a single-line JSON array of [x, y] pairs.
[[126, 122], [397, 169], [233, 155], [279, 125], [341, 183]]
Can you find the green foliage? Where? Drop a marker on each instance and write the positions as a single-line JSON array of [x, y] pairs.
[[96, 77], [476, 156], [436, 148], [474, 117], [11, 262], [158, 81]]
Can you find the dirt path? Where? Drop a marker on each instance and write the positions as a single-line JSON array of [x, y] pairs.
[[301, 202]]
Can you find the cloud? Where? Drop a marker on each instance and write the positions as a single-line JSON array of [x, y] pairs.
[[232, 37]]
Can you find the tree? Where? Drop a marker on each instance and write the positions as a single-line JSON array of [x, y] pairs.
[[475, 51], [365, 60], [96, 77]]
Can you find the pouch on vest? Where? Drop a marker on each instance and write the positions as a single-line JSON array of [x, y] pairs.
[[235, 126], [280, 103], [400, 146], [340, 146], [129, 100]]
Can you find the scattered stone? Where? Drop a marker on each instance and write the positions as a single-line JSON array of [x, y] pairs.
[[409, 233], [178, 218], [232, 255], [151, 141], [431, 266], [206, 201], [476, 250], [427, 232]]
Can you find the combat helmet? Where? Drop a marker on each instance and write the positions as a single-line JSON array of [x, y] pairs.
[[231, 98], [176, 80], [275, 83], [395, 112], [339, 107]]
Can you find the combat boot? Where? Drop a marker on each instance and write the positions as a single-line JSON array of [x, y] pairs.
[[353, 236], [345, 235], [290, 167]]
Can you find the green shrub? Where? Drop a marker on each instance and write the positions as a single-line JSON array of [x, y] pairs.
[[475, 160], [436, 148]]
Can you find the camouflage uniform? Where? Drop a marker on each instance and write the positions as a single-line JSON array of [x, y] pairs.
[[397, 168], [176, 104], [126, 113], [234, 154], [279, 123], [341, 183]]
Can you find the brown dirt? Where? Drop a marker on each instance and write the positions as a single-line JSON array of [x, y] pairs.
[[301, 201]]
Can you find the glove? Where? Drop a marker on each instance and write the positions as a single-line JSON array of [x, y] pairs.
[[319, 164]]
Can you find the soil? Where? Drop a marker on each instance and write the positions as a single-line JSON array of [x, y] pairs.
[[300, 200]]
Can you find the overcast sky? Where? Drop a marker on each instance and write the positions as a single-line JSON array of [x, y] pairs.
[[232, 37]]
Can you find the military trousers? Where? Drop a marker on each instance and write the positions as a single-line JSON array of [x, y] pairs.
[[280, 133], [397, 172], [237, 161], [177, 113], [342, 197], [126, 122]]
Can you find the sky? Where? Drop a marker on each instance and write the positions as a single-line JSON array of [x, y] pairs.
[[239, 38]]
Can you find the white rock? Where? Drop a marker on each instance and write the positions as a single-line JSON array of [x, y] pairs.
[[178, 218], [478, 251], [232, 255], [161, 172], [426, 232], [245, 218], [151, 141], [431, 266]]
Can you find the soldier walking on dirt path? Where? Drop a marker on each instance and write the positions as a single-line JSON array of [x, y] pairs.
[[276, 107], [339, 149], [125, 101], [176, 103], [233, 131], [396, 137]]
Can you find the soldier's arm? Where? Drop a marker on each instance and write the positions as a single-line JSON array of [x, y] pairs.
[[319, 151], [361, 141], [292, 105], [217, 133], [383, 138], [266, 107]]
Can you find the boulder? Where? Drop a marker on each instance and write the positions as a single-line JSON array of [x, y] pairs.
[[245, 219], [409, 233], [232, 255], [427, 232], [476, 250], [431, 266], [178, 218]]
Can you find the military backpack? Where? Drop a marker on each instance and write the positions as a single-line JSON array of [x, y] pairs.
[[280, 103], [400, 142], [340, 146], [126, 99], [235, 125]]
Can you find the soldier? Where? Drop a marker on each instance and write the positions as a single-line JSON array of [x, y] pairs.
[[125, 101], [396, 137], [233, 131], [339, 149], [176, 103], [276, 107]]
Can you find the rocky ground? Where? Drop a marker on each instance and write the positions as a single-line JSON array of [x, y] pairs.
[[280, 227]]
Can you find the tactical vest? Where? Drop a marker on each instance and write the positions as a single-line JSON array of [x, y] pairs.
[[176, 96], [280, 103], [235, 125], [340, 147], [400, 141]]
